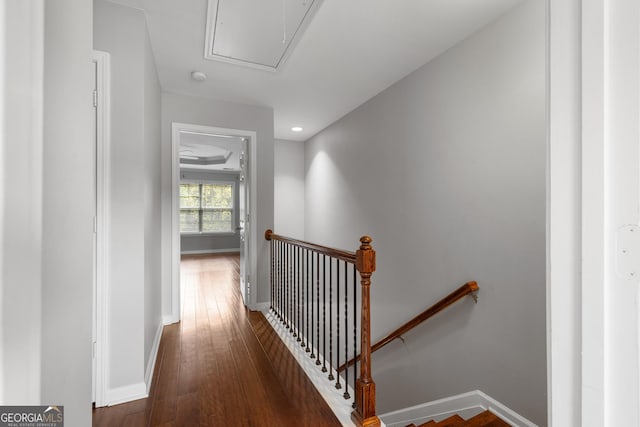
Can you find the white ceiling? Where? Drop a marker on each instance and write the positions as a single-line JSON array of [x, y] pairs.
[[351, 51], [207, 145]]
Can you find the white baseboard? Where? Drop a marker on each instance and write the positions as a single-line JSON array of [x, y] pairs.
[[169, 319], [210, 251], [341, 407], [466, 405], [260, 306], [151, 364], [127, 393]]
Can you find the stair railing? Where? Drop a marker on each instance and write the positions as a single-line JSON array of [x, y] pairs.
[[469, 288], [302, 273]]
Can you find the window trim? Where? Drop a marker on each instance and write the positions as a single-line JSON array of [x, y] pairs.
[[200, 209]]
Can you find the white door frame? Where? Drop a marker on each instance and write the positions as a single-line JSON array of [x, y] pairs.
[[176, 128], [593, 330], [102, 226]]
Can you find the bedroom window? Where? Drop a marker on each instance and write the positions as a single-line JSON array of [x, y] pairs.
[[206, 208]]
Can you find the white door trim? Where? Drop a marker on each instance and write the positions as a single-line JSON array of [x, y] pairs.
[[593, 246], [176, 128], [594, 105], [103, 224]]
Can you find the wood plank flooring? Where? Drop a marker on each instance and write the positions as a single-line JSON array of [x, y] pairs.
[[212, 369]]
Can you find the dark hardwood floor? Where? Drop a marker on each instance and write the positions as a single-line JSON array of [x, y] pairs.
[[222, 365]]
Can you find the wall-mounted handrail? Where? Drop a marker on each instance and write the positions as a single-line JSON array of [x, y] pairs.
[[461, 292]]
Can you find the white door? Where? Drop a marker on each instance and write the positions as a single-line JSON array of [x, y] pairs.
[[243, 226]]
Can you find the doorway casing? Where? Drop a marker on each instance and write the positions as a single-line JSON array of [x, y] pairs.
[[102, 222], [251, 137]]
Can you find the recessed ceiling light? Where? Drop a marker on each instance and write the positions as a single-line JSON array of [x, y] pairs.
[[198, 76], [297, 129]]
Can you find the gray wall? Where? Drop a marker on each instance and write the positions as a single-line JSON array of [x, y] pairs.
[[289, 188], [446, 171], [46, 260], [135, 293], [21, 66], [152, 217], [67, 238], [197, 243], [209, 112]]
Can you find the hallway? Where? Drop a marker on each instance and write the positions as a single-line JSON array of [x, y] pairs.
[[212, 370]]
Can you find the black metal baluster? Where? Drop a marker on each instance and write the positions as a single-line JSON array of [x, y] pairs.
[[294, 323], [306, 281], [318, 307], [284, 284], [278, 280], [275, 278], [330, 320], [355, 335], [271, 274], [304, 305], [283, 296], [314, 267], [324, 313], [294, 283], [346, 334], [338, 385], [323, 279], [291, 290], [281, 281], [300, 296], [290, 301], [296, 292]]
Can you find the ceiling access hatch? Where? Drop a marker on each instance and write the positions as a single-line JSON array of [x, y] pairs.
[[256, 33]]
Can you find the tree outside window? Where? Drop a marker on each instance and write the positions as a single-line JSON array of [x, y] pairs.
[[206, 208]]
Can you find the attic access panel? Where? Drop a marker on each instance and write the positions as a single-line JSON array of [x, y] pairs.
[[256, 33]]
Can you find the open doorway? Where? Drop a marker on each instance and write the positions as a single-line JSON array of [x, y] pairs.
[[212, 199]]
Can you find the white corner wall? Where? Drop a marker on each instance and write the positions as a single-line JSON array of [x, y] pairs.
[[21, 86], [446, 171], [564, 280], [152, 206], [289, 188], [134, 316], [67, 234], [45, 127], [210, 112]]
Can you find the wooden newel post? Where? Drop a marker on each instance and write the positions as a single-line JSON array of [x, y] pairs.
[[365, 412]]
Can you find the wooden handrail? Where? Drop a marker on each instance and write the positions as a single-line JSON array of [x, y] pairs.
[[347, 256], [462, 291], [364, 260]]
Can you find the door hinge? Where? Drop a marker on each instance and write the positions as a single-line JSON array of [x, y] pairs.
[[95, 224], [95, 98], [95, 349], [627, 259]]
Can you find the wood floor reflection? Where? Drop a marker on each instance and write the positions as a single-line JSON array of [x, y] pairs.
[[212, 368]]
